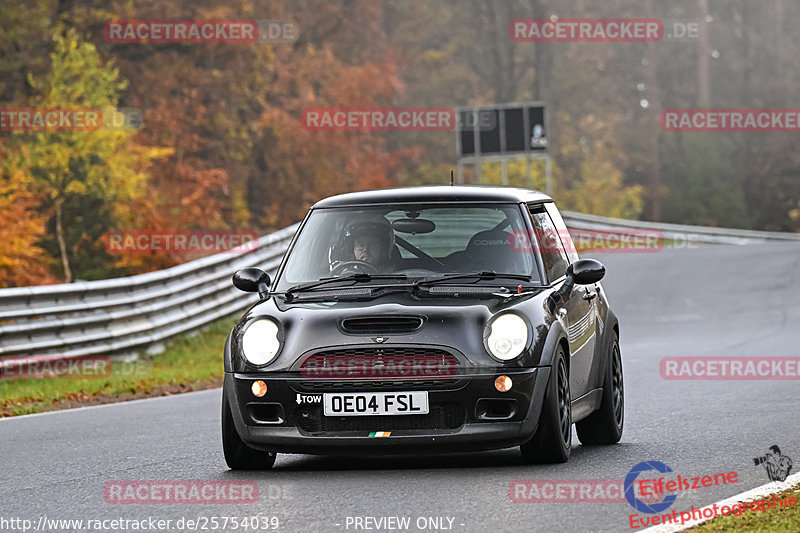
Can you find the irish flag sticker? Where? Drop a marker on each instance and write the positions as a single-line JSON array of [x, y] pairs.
[[380, 433]]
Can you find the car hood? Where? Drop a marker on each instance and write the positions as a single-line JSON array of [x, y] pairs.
[[455, 324]]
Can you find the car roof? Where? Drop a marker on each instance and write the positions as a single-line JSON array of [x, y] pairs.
[[435, 193]]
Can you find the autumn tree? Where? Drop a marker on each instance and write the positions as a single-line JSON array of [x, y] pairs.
[[21, 261], [101, 163]]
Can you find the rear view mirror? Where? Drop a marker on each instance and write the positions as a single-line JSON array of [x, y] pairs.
[[413, 225]]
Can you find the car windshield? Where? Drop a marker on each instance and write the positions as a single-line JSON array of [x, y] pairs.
[[417, 241]]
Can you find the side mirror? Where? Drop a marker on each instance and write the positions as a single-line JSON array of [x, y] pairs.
[[586, 271], [252, 280], [581, 272]]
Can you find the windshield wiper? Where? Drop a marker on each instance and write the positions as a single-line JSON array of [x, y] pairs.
[[356, 278], [483, 275]]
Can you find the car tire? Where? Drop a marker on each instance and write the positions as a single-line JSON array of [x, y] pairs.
[[552, 442], [604, 426], [238, 455]]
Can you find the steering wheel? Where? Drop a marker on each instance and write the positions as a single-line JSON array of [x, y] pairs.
[[357, 267]]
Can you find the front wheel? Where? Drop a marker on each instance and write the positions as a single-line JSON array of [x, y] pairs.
[[552, 442], [604, 426], [238, 455]]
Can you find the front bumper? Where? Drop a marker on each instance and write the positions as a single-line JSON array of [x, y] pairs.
[[466, 413]]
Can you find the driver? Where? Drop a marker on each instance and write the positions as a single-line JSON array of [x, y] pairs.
[[371, 242]]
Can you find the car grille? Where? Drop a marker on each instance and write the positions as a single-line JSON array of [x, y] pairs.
[[378, 368], [441, 416]]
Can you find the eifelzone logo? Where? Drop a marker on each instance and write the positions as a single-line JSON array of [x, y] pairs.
[[639, 504]]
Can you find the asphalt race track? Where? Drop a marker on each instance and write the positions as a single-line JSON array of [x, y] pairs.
[[711, 300]]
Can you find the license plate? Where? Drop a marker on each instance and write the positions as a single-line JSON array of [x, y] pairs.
[[375, 403]]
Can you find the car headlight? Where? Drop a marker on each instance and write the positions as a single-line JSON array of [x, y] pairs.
[[260, 343], [508, 337]]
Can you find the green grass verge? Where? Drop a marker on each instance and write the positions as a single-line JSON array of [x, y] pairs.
[[188, 363], [781, 520]]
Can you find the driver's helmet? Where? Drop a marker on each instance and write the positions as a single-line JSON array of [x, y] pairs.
[[378, 227]]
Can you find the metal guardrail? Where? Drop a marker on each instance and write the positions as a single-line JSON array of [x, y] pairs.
[[137, 313], [131, 314], [678, 232]]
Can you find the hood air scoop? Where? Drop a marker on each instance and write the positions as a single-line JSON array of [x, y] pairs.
[[376, 325]]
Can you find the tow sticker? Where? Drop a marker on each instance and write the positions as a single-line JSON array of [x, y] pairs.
[[308, 398]]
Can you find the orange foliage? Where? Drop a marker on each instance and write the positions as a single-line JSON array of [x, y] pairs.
[[21, 261]]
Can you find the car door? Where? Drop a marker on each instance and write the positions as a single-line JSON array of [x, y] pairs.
[[590, 292], [577, 312]]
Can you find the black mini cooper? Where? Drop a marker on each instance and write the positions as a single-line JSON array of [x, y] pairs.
[[424, 320]]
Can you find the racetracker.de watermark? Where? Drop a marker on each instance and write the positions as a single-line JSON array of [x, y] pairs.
[[34, 119], [586, 30], [179, 241], [69, 367], [230, 31], [570, 491], [396, 119], [180, 491], [731, 120], [730, 368], [377, 366], [583, 240]]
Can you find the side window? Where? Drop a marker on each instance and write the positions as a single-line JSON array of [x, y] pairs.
[[549, 244], [566, 238]]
